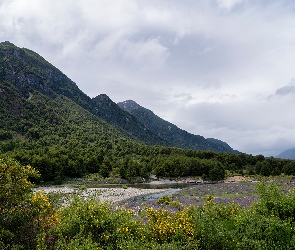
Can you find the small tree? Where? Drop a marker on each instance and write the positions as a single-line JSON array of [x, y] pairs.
[[217, 172]]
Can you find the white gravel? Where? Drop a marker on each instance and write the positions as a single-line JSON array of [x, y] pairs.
[[104, 194]]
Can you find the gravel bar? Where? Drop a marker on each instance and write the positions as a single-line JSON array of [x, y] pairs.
[[104, 194]]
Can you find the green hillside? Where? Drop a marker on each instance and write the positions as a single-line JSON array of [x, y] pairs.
[[54, 135], [45, 119]]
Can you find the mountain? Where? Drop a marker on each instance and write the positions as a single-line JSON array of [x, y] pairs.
[[288, 154], [173, 135], [29, 72], [49, 123]]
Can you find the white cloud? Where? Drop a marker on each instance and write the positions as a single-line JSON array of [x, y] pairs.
[[149, 53], [228, 4]]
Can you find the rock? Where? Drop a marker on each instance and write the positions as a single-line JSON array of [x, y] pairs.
[[7, 43]]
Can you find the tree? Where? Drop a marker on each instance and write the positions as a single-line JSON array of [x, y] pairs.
[[217, 172], [105, 168]]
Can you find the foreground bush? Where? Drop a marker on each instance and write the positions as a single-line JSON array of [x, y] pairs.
[[92, 224], [23, 214]]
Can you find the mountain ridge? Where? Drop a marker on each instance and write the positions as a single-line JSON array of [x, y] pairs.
[[171, 133], [108, 110], [28, 72]]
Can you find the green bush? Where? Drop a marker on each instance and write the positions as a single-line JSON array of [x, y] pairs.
[[274, 202], [23, 214], [96, 221], [165, 199], [257, 231]]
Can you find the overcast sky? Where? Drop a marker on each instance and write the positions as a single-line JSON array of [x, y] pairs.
[[217, 68]]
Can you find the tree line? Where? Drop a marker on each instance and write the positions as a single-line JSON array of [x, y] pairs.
[[127, 159]]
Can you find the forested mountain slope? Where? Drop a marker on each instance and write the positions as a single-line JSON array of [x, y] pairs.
[[29, 72], [172, 134], [108, 110], [46, 120], [49, 123]]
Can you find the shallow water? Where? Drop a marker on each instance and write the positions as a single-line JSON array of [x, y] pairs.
[[156, 196], [152, 185]]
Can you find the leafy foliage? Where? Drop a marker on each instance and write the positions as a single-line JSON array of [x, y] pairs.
[[22, 214]]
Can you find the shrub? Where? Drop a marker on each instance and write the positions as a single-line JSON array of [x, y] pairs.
[[23, 214], [96, 221], [258, 231], [165, 226], [164, 200], [274, 202], [214, 224]]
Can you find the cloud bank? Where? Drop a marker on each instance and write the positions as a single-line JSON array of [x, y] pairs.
[[219, 68]]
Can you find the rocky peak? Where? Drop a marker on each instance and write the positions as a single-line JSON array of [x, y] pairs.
[[102, 97], [129, 105], [103, 100], [7, 43]]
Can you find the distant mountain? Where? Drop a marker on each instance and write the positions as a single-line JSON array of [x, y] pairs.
[[288, 154], [222, 144], [173, 135]]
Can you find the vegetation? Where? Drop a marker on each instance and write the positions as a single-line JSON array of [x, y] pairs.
[[29, 221], [60, 139], [23, 214]]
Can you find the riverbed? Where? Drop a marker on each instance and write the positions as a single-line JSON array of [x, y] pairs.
[[110, 194]]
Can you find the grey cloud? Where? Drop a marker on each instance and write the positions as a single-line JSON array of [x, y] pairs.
[[287, 89], [254, 127]]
